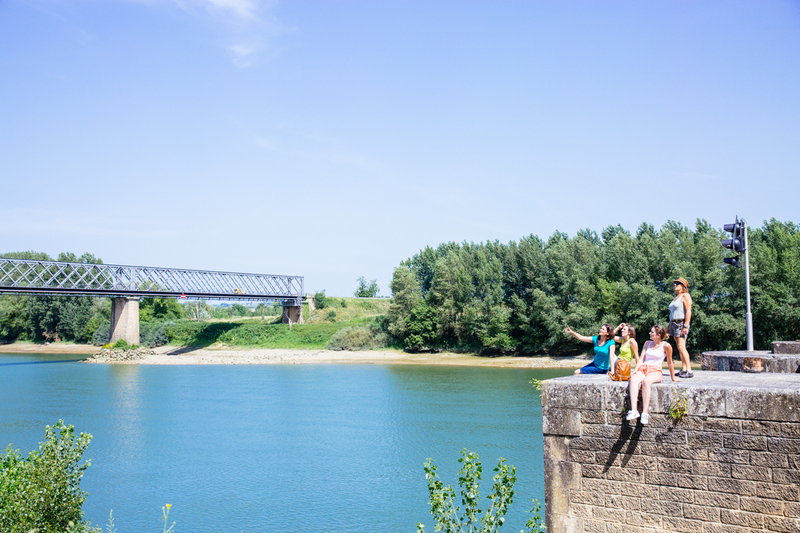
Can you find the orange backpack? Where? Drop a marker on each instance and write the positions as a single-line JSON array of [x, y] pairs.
[[622, 371]]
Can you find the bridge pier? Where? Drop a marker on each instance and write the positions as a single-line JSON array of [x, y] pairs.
[[125, 320], [292, 314]]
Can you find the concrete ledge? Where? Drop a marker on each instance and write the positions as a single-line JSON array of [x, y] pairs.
[[752, 362], [731, 463], [786, 347]]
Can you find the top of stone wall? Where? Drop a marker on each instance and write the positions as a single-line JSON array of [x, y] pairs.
[[774, 397], [755, 361], [786, 347]]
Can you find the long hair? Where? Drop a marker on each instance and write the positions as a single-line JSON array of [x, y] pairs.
[[661, 332], [631, 331], [609, 331]]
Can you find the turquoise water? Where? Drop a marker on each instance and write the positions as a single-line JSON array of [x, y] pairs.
[[276, 448]]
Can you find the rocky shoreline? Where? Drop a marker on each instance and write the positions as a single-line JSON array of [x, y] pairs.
[[116, 355]]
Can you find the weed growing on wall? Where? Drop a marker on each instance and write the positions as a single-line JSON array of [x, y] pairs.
[[677, 409]]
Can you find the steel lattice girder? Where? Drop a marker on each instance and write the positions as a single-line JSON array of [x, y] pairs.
[[53, 277]]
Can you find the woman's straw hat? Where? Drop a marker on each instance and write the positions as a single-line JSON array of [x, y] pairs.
[[682, 282]]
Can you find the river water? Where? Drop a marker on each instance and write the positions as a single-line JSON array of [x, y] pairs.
[[260, 448]]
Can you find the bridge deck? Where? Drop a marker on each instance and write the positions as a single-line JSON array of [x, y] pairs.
[[53, 277]]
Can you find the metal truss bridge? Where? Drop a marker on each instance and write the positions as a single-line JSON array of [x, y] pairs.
[[53, 277]]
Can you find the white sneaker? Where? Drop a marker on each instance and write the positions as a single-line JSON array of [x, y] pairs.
[[632, 415], [645, 419]]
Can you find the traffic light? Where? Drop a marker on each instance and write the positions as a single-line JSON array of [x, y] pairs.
[[736, 243]]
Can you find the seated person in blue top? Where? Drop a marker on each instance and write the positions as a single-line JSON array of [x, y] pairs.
[[603, 350]]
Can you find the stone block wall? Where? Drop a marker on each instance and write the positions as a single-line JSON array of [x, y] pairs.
[[731, 464]]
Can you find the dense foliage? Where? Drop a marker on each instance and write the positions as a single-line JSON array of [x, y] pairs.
[[42, 492], [518, 297]]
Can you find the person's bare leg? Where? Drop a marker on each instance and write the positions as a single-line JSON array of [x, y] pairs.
[[634, 389], [651, 378], [686, 365]]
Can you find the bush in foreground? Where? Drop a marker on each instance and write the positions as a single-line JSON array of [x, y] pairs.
[[42, 492], [450, 517]]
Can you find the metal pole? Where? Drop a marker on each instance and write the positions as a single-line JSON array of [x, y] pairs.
[[749, 315]]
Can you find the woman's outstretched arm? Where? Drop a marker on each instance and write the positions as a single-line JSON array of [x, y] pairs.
[[578, 336]]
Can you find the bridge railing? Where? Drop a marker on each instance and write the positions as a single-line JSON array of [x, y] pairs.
[[55, 277]]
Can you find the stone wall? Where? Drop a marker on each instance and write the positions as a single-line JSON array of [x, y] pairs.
[[731, 464]]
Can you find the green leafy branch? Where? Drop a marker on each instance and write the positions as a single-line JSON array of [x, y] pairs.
[[450, 517]]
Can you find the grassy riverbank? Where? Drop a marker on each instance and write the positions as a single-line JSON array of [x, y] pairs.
[[319, 326]]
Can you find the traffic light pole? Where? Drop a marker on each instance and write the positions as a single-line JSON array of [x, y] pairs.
[[749, 315]]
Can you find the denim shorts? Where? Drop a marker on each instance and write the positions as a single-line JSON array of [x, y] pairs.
[[675, 329], [592, 369]]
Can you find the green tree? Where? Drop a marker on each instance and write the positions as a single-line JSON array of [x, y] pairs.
[[160, 309], [366, 289], [406, 294], [13, 316], [421, 327]]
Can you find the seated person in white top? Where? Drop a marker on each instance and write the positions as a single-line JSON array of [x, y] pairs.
[[648, 371]]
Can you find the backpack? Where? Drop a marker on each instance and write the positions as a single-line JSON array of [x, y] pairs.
[[622, 371]]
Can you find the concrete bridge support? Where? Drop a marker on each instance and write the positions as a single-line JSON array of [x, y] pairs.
[[292, 314], [125, 320]]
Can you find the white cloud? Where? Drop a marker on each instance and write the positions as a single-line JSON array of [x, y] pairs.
[[242, 8], [246, 27]]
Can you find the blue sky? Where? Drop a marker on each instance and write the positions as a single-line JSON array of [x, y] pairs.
[[336, 139]]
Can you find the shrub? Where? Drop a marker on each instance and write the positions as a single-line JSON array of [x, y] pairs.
[[102, 335], [121, 344], [42, 492], [153, 335], [320, 300], [359, 338], [331, 315]]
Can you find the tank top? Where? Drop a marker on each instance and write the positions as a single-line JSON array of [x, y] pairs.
[[655, 356], [626, 352], [676, 309]]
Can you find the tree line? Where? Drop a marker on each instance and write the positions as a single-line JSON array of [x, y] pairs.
[[518, 297]]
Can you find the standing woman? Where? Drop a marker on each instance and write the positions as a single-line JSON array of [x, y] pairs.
[[648, 371], [603, 350], [680, 314]]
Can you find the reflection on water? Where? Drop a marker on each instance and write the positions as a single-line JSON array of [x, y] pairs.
[[277, 448]]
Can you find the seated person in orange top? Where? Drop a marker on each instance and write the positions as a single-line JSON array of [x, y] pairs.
[[603, 350], [648, 371]]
